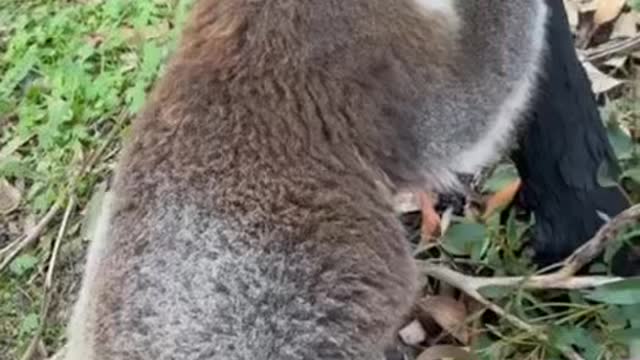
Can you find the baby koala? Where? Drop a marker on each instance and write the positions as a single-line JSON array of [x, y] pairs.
[[252, 215]]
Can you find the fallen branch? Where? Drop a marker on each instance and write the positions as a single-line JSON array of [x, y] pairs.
[[612, 48], [556, 280], [564, 278], [586, 253]]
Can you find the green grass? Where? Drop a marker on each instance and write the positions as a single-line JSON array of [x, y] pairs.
[[73, 73], [70, 72], [69, 69]]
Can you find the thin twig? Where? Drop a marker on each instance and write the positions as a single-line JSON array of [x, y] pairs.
[[612, 48], [469, 286], [44, 308], [549, 281], [586, 253], [56, 246], [5, 250], [28, 240]]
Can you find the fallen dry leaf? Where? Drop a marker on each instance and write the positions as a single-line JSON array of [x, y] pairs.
[[600, 82], [95, 39], [625, 26], [10, 197], [156, 31], [129, 34], [448, 313], [607, 10], [584, 5], [430, 229], [573, 13], [617, 62]]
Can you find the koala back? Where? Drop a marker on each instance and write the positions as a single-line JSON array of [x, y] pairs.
[[252, 211]]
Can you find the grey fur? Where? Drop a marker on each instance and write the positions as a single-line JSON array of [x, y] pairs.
[[489, 88], [252, 217]]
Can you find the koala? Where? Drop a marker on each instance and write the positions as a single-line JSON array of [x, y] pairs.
[[252, 211]]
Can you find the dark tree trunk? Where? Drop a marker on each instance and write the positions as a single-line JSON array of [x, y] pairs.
[[560, 151]]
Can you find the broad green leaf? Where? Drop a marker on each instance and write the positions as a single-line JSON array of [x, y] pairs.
[[621, 141], [633, 174], [632, 314], [626, 335], [20, 265], [624, 292], [29, 324], [567, 337], [464, 238], [17, 72], [502, 176], [605, 175]]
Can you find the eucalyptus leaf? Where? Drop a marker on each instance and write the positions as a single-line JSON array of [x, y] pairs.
[[624, 292], [464, 238], [503, 175], [22, 264]]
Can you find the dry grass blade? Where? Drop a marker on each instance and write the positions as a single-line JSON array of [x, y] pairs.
[[9, 197], [612, 48], [44, 308], [13, 249], [449, 313]]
